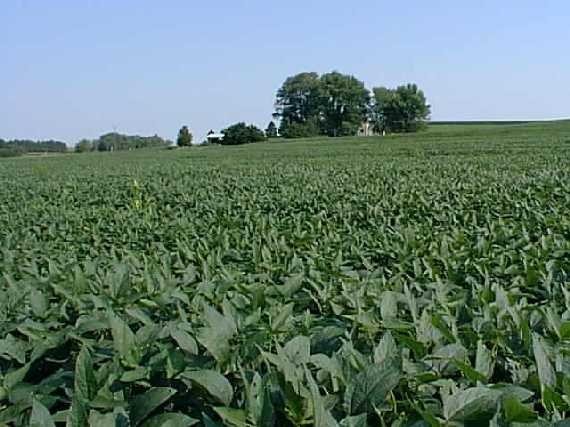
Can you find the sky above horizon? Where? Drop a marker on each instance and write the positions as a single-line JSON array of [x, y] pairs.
[[77, 69]]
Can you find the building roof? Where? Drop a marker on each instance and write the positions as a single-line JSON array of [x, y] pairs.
[[215, 136]]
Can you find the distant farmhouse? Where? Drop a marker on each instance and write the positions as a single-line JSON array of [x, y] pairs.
[[214, 138]]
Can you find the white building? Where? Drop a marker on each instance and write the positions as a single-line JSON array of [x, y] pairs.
[[214, 138]]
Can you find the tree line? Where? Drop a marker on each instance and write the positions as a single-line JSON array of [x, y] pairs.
[[336, 104], [18, 147], [332, 104], [114, 141]]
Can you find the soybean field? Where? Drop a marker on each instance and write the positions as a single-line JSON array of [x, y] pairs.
[[406, 281]]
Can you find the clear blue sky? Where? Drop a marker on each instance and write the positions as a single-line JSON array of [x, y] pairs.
[[78, 68]]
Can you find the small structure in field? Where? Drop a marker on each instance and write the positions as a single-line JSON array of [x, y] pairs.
[[214, 138], [367, 128]]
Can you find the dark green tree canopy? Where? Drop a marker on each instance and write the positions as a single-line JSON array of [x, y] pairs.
[[404, 109], [344, 104], [84, 146], [114, 141], [308, 105], [29, 146], [241, 133], [184, 138], [298, 100]]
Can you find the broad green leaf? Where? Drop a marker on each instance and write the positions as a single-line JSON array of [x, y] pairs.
[[123, 337], [477, 403], [515, 411], [117, 418], [509, 390], [79, 411], [12, 378], [292, 284], [355, 421], [216, 336], [13, 348], [440, 324], [470, 373], [184, 340], [321, 415], [546, 373], [370, 388], [40, 415], [39, 303], [97, 419], [135, 375], [170, 420], [386, 349], [484, 361], [213, 382], [85, 384], [565, 330], [444, 357], [298, 350], [284, 315], [389, 305], [232, 417], [144, 404]]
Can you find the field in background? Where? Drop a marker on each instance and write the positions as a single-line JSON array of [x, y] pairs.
[[405, 279]]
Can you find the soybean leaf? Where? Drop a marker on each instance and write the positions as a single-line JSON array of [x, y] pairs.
[[515, 411], [170, 420], [85, 384], [386, 349], [232, 417], [184, 340], [143, 404], [321, 415], [123, 337], [355, 421], [216, 336], [370, 388], [213, 382], [546, 373], [477, 403], [40, 415]]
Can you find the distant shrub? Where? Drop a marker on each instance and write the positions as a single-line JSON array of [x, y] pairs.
[[10, 152], [301, 130], [84, 146], [240, 133]]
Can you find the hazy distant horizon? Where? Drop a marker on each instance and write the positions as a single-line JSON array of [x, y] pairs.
[[73, 70]]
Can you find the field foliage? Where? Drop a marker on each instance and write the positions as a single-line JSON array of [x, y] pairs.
[[416, 280]]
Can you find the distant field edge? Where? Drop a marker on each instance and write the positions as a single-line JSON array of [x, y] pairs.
[[493, 122]]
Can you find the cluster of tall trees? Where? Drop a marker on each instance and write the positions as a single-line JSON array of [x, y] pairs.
[[336, 104], [16, 147], [117, 142]]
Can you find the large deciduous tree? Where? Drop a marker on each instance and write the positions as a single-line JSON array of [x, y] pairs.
[[184, 137], [404, 109], [298, 104], [334, 104], [344, 104]]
